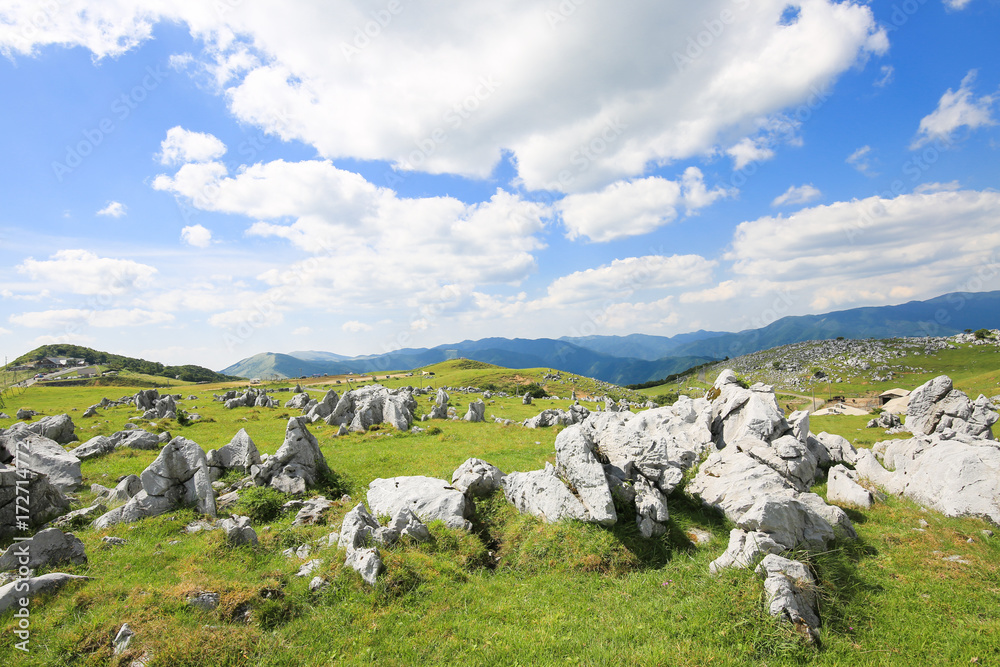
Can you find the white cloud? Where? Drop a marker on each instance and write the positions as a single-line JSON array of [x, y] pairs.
[[114, 209], [748, 151], [795, 195], [71, 317], [83, 272], [724, 291], [413, 246], [4, 332], [448, 88], [634, 208], [623, 278], [956, 4], [861, 160], [867, 250], [950, 186], [197, 235], [183, 146], [955, 110], [355, 327], [886, 74], [302, 331]]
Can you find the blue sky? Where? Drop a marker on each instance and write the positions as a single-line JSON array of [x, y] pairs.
[[199, 182]]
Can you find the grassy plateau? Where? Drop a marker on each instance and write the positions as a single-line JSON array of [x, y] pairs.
[[515, 591]]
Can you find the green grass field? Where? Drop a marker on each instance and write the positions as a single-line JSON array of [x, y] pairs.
[[514, 592]]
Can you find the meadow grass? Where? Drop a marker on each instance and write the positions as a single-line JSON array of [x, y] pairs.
[[514, 591]]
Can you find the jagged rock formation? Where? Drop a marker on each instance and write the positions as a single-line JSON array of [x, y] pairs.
[[428, 498], [178, 477], [45, 500], [477, 478], [240, 454], [374, 404], [297, 465], [440, 409], [21, 446], [47, 547], [936, 407]]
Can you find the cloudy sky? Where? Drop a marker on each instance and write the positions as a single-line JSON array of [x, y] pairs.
[[197, 182]]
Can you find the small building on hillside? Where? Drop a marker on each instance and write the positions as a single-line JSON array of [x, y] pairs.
[[891, 394]]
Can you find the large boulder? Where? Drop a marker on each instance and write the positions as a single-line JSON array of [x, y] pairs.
[[40, 454], [297, 465], [96, 446], [324, 407], [578, 465], [368, 406], [541, 493], [240, 454], [45, 501], [937, 407], [739, 413], [59, 428], [145, 399], [440, 409], [430, 499], [477, 410], [549, 417], [137, 439], [957, 477], [792, 594], [13, 593], [477, 478], [298, 402], [238, 531], [178, 477], [48, 547], [357, 533], [842, 488]]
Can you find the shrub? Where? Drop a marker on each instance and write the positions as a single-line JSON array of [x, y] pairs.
[[261, 503], [982, 334]]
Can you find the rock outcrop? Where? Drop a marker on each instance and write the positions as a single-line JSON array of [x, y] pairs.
[[59, 428], [240, 454], [297, 465], [368, 406], [12, 594], [792, 594], [178, 477], [48, 547], [937, 407], [428, 498], [21, 446], [45, 501], [477, 478], [440, 409]]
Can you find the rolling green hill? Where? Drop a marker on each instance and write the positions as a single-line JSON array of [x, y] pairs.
[[187, 372]]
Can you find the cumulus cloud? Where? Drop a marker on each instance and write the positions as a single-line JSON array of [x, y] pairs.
[[83, 272], [414, 246], [794, 195], [634, 208], [355, 327], [302, 331], [956, 4], [111, 318], [114, 209], [748, 151], [724, 291], [448, 88], [197, 236], [182, 146], [863, 250], [4, 332], [956, 110], [624, 278]]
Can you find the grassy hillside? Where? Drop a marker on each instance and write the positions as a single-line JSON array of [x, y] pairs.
[[187, 372], [514, 592]]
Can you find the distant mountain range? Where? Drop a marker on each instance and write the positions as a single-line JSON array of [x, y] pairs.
[[640, 358]]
